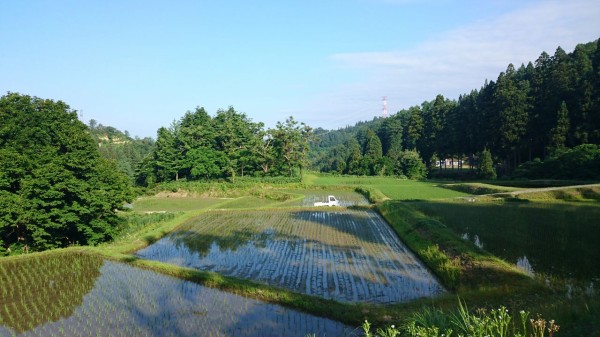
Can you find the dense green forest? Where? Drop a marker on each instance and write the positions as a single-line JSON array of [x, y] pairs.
[[55, 188], [225, 146], [535, 111]]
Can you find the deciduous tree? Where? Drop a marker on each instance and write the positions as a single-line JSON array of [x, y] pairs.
[[55, 189]]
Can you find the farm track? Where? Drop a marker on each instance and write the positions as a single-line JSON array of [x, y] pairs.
[[546, 189], [346, 255]]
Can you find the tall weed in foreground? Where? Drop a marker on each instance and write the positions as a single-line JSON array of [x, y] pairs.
[[484, 323], [431, 317], [390, 331], [497, 323], [465, 323]]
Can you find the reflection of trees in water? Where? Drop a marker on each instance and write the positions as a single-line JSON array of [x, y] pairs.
[[349, 255], [40, 289], [202, 243]]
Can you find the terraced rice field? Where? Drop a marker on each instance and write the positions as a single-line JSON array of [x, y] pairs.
[[75, 295], [346, 255]]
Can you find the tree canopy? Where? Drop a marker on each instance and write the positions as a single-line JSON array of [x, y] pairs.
[[55, 189], [225, 146], [528, 112]]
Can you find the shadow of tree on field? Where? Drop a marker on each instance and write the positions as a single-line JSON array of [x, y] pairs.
[[558, 239]]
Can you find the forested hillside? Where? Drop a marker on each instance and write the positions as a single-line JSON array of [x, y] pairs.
[[534, 111], [119, 146]]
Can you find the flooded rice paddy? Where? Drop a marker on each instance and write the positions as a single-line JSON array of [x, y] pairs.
[[346, 255], [75, 295], [556, 241]]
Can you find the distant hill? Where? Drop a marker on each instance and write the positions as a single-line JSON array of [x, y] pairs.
[[119, 146]]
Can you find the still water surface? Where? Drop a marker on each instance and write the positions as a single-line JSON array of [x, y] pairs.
[[348, 255], [127, 301]]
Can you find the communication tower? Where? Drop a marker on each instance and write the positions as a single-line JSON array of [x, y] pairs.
[[384, 110]]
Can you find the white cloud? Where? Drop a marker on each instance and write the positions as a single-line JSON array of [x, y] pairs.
[[457, 61]]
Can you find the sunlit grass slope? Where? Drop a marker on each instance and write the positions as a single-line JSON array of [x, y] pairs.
[[393, 188]]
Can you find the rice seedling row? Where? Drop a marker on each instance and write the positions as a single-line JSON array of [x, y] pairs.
[[120, 300], [346, 255]]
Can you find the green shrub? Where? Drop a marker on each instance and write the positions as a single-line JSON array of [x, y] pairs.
[[580, 162], [486, 170], [411, 165]]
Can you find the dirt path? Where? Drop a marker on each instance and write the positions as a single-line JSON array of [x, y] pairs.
[[531, 190], [544, 189]]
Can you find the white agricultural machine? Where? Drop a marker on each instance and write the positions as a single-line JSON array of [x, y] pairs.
[[331, 201]]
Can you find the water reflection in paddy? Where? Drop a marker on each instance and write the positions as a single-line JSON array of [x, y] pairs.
[[347, 255], [127, 301]]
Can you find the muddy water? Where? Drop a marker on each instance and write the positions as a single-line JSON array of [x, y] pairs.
[[349, 255], [127, 301]]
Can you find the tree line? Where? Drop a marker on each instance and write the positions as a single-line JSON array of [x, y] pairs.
[[534, 111], [62, 182], [228, 145]]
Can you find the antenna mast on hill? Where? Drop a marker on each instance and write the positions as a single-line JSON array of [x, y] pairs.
[[384, 111]]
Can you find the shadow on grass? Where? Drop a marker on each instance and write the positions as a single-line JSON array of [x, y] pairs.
[[445, 252], [150, 239], [557, 239], [129, 258]]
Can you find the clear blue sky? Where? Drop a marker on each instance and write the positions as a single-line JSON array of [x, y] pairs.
[[139, 65]]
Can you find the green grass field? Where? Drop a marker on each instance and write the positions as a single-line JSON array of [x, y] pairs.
[[174, 204], [393, 188], [560, 239]]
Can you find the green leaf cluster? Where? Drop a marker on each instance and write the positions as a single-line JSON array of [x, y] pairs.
[[226, 146], [55, 189], [581, 162]]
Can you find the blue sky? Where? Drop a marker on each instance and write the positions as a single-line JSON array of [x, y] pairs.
[[139, 65]]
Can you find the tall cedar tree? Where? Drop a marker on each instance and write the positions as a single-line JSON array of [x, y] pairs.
[[558, 134], [486, 170]]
